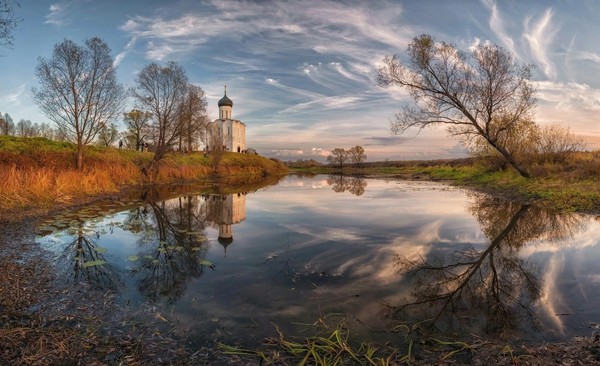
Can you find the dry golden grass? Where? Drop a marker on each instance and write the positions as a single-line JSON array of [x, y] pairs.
[[40, 186], [37, 173]]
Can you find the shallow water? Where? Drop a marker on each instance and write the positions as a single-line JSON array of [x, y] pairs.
[[231, 263]]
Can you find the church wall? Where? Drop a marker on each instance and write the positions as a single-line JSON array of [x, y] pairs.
[[230, 132]]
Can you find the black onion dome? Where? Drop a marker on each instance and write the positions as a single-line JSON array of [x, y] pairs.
[[225, 101], [225, 241]]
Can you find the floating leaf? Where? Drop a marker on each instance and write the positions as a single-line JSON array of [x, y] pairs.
[[101, 250], [94, 263], [206, 262], [133, 258]]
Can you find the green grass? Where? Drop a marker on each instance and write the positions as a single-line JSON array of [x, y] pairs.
[[33, 145], [332, 345], [561, 191]]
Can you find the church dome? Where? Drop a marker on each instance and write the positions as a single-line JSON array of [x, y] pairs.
[[225, 241], [225, 101]]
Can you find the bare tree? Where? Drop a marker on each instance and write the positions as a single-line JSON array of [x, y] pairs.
[[8, 21], [161, 91], [137, 123], [357, 155], [25, 128], [338, 157], [7, 126], [79, 90], [482, 93], [45, 130], [108, 135], [194, 118], [557, 142]]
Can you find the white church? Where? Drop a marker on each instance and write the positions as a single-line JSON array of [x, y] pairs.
[[226, 133]]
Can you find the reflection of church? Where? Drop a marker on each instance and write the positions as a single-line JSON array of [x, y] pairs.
[[224, 211]]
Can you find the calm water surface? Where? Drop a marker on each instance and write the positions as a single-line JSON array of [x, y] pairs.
[[229, 263]]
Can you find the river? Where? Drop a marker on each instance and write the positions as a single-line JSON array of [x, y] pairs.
[[237, 263]]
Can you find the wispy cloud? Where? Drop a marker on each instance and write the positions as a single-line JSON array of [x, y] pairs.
[[497, 25], [569, 96], [322, 26], [540, 35], [119, 58], [15, 96], [55, 15], [58, 12]]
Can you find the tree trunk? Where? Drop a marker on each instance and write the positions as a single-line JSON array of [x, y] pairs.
[[509, 158], [189, 136], [79, 158]]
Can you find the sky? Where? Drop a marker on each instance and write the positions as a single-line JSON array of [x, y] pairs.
[[302, 74]]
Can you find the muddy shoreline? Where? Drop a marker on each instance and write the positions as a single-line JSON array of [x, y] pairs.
[[48, 322]]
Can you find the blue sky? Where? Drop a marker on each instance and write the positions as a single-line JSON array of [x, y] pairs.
[[301, 74]]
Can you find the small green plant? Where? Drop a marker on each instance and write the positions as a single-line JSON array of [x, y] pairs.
[[326, 348]]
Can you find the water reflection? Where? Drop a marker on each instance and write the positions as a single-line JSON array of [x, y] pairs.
[[172, 246], [492, 287], [342, 183], [163, 238], [224, 211], [219, 258], [84, 262]]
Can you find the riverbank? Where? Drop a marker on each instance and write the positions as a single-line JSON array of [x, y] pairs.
[[38, 175], [570, 188]]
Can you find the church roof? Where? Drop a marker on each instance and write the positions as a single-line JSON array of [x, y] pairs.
[[225, 241], [225, 101]]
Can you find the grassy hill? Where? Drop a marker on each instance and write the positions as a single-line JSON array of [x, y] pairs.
[[40, 173]]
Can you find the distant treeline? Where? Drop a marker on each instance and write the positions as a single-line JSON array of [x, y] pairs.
[[312, 163]]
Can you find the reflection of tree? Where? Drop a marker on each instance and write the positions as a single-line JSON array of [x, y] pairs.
[[86, 261], [177, 248], [493, 284], [341, 183], [135, 221]]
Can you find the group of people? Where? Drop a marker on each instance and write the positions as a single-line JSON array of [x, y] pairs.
[[141, 145]]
